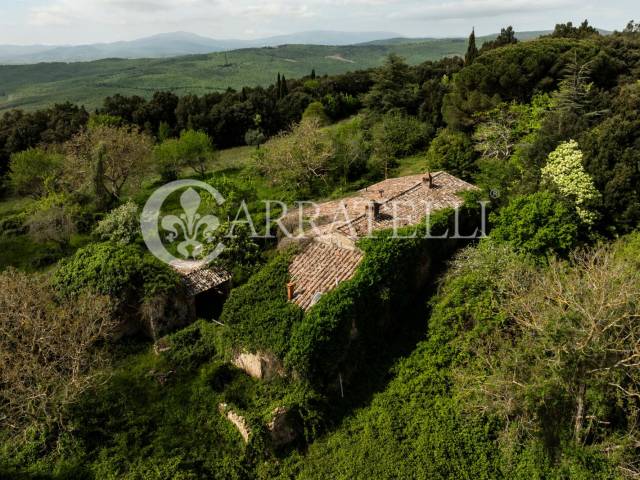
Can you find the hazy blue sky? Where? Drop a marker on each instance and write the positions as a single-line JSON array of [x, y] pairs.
[[87, 21]]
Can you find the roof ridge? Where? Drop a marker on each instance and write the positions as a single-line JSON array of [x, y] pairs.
[[403, 192]]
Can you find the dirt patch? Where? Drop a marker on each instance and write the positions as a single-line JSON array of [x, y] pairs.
[[340, 58]]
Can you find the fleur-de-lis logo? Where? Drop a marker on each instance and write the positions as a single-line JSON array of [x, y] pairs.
[[190, 227], [190, 223]]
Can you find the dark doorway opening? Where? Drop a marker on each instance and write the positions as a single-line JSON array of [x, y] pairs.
[[209, 303]]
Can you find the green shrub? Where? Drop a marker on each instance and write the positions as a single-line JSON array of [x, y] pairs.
[[396, 136], [539, 224], [121, 225], [125, 272], [315, 110], [192, 346], [34, 171], [452, 152]]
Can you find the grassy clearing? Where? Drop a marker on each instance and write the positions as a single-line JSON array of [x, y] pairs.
[[410, 165], [13, 205]]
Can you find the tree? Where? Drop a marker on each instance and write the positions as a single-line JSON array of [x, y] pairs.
[[393, 87], [565, 171], [611, 158], [104, 120], [20, 131], [453, 152], [111, 159], [341, 105], [472, 49], [121, 225], [567, 30], [53, 222], [241, 256], [352, 149], [632, 27], [279, 87], [567, 359], [49, 351], [254, 137], [496, 138], [33, 171], [168, 160], [315, 110], [510, 74], [122, 107], [537, 224], [195, 150], [299, 160], [124, 272], [507, 37], [574, 94], [396, 136], [504, 138]]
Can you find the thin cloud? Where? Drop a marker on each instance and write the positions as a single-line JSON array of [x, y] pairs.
[[469, 9]]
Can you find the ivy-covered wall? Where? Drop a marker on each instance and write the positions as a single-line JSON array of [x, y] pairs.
[[336, 334]]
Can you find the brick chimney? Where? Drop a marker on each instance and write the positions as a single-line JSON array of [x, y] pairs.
[[427, 180], [291, 291], [373, 210]]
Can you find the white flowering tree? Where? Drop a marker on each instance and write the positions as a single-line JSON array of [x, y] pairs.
[[566, 172], [121, 225]]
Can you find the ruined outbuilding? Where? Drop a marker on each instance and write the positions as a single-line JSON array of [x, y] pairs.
[[206, 287]]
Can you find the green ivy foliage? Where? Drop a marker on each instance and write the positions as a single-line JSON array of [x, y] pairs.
[[192, 346], [373, 301], [418, 428], [258, 313], [124, 272]]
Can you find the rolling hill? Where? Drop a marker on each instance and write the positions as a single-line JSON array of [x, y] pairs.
[[171, 45], [39, 85]]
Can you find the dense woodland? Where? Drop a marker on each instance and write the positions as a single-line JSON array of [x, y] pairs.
[[521, 359]]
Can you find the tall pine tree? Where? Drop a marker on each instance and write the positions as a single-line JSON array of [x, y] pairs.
[[472, 49]]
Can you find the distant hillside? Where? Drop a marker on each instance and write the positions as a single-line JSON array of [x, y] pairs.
[[35, 86], [172, 45], [486, 38], [182, 43], [39, 85]]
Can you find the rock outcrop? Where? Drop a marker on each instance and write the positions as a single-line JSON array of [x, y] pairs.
[[259, 365], [280, 427], [238, 421]]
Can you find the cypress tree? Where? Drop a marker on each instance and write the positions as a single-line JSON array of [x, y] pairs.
[[99, 190], [313, 74], [472, 49], [279, 87], [285, 89]]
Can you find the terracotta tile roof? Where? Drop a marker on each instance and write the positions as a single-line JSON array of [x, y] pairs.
[[319, 268], [407, 201], [332, 256], [403, 201], [197, 277]]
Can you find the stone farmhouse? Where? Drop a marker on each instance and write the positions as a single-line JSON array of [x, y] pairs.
[[330, 254]]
